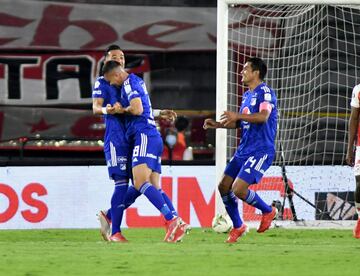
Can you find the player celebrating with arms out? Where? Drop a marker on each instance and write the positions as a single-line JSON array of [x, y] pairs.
[[353, 130], [257, 120]]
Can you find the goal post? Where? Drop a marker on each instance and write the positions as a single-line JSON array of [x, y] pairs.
[[221, 95], [310, 48]]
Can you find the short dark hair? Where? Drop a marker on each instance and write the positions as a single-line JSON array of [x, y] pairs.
[[111, 48], [109, 66], [257, 64]]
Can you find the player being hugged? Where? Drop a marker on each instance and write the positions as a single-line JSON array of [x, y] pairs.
[[257, 119], [116, 149], [147, 143]]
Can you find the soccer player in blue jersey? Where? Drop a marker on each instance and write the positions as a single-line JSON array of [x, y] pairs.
[[117, 151], [147, 143], [116, 147], [257, 119]]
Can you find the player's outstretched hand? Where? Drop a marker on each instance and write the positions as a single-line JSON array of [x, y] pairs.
[[168, 115], [228, 117], [350, 158], [110, 109], [210, 123]]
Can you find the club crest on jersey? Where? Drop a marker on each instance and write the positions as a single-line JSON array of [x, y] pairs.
[[97, 84], [267, 97], [253, 101]]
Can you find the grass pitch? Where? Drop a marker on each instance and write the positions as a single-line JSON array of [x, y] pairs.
[[203, 252]]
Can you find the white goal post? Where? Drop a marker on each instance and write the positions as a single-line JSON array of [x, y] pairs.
[[312, 147]]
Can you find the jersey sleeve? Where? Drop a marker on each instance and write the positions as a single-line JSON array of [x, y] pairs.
[[265, 99], [114, 95], [355, 101], [99, 90], [131, 89]]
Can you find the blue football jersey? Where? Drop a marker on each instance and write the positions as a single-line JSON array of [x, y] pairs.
[[258, 137], [114, 125], [134, 87]]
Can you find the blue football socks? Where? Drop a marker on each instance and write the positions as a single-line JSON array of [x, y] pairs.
[[253, 199], [156, 199], [117, 205], [131, 195], [168, 202], [231, 206]]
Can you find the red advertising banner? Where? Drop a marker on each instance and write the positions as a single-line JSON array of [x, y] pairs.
[[45, 25]]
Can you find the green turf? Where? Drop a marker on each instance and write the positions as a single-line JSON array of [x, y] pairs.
[[203, 252]]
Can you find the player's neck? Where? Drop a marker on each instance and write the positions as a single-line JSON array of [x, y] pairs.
[[254, 84], [124, 76]]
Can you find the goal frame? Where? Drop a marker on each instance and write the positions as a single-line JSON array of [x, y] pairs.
[[222, 75]]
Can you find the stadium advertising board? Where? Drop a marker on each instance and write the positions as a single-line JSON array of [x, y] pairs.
[[41, 197]]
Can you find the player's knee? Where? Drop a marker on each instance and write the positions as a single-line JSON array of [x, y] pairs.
[[139, 180], [240, 191], [223, 189]]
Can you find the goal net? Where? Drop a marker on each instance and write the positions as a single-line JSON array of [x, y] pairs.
[[311, 54]]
